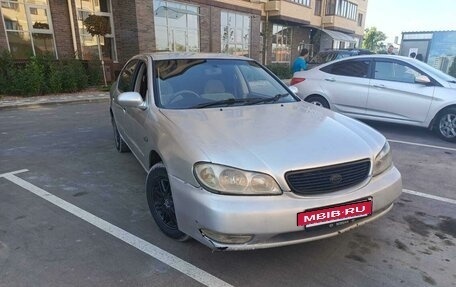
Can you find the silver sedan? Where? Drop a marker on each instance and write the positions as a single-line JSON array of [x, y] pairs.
[[236, 161], [384, 88]]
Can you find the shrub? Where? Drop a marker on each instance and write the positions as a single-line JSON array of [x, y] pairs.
[[6, 71], [41, 75], [94, 73], [283, 71]]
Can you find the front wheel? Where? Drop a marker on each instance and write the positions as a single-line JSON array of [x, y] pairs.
[[318, 101], [445, 125], [161, 204]]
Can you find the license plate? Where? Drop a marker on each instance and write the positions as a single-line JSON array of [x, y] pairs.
[[337, 213]]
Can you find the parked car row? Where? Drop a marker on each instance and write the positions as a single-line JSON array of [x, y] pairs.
[[235, 160], [385, 88]]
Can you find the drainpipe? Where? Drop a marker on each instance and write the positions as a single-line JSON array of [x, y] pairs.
[[265, 37], [73, 33]]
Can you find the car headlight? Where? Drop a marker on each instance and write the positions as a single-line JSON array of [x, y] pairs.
[[383, 160], [228, 180]]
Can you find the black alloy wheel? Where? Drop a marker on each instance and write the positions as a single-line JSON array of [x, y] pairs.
[[161, 204]]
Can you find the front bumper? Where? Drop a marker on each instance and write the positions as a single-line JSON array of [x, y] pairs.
[[272, 219]]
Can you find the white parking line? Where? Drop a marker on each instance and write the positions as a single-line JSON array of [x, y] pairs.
[[423, 145], [425, 195], [175, 262]]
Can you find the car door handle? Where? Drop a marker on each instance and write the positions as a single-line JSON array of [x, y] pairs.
[[330, 79], [379, 86]]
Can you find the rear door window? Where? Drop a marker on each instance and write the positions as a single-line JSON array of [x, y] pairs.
[[359, 69]]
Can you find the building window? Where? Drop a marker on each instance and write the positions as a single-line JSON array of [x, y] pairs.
[[235, 33], [176, 26], [342, 8], [89, 44], [302, 2], [281, 44], [28, 28], [360, 19], [318, 7]]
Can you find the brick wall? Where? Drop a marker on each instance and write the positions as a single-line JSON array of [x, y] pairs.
[[205, 32], [145, 24], [256, 45], [62, 29], [126, 29], [215, 30]]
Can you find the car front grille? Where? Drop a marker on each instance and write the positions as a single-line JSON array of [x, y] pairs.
[[328, 178]]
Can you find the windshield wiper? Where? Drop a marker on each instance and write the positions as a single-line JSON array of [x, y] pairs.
[[225, 102], [269, 100]]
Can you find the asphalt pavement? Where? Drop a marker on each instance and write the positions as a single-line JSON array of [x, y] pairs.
[[78, 217]]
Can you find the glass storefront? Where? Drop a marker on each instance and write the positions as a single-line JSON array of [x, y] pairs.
[[28, 28], [442, 53], [90, 44], [176, 26], [281, 44], [235, 33]]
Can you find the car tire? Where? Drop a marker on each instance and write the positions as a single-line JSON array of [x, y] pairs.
[[160, 201], [445, 124], [318, 101], [120, 144]]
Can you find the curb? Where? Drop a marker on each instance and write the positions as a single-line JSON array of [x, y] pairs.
[[38, 104]]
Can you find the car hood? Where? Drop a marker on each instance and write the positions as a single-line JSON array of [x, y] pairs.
[[275, 138]]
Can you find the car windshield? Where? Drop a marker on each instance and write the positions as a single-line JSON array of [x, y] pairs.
[[429, 69], [325, 57], [209, 83], [320, 58]]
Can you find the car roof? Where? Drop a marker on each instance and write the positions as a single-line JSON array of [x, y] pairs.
[[347, 51], [158, 56], [371, 56]]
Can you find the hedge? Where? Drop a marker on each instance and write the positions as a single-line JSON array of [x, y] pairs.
[[41, 75], [283, 71]]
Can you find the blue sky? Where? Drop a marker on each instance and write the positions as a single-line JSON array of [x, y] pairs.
[[395, 16]]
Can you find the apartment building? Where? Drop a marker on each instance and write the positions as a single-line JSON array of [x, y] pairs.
[[269, 31]]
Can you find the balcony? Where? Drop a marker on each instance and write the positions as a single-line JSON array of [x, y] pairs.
[[341, 24], [292, 12]]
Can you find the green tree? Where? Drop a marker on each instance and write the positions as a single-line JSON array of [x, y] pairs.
[[373, 39], [98, 26], [452, 70]]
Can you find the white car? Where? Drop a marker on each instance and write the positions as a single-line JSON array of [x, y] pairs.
[[386, 88]]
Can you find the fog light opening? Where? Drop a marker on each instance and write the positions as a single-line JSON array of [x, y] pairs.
[[226, 238]]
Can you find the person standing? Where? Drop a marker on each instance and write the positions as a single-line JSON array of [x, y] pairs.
[[300, 64], [391, 50]]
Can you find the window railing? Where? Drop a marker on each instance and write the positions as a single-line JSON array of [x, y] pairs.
[[342, 8]]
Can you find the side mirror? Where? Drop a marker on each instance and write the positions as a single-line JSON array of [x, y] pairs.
[[294, 90], [422, 79], [131, 99]]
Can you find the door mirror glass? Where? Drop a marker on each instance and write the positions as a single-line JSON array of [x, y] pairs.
[[422, 79], [131, 99]]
